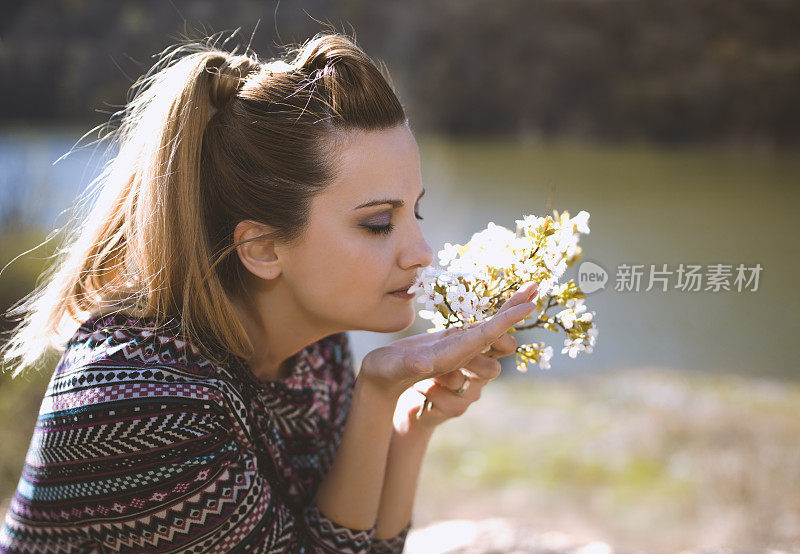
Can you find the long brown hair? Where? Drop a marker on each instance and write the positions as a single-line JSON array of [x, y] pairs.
[[208, 139]]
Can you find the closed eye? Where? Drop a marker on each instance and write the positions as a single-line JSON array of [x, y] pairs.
[[385, 229]]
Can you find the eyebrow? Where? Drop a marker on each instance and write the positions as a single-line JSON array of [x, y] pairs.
[[393, 202]]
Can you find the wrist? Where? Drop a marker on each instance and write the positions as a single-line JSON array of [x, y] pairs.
[[412, 429], [410, 437], [368, 386]]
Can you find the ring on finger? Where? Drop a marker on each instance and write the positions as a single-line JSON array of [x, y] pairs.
[[464, 386]]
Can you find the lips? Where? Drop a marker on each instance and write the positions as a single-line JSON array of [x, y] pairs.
[[405, 288]]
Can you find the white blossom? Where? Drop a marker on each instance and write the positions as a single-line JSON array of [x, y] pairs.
[[529, 222], [495, 258], [576, 305], [432, 301], [526, 269], [566, 317], [581, 222], [564, 237], [555, 262], [520, 244], [491, 247], [546, 287], [544, 357], [462, 300], [448, 253], [436, 317], [572, 347]]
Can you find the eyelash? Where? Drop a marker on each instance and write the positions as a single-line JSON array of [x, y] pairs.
[[385, 229]]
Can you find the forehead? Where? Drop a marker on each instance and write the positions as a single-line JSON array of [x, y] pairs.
[[375, 163]]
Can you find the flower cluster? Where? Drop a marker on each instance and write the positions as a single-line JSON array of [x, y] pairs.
[[475, 280]]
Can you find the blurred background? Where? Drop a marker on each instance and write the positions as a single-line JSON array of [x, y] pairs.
[[676, 125]]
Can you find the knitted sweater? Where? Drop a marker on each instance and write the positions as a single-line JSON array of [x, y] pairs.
[[144, 445]]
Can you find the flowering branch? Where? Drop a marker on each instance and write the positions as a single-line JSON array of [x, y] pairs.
[[478, 278]]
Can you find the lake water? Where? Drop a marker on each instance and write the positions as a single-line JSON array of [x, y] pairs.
[[649, 206]]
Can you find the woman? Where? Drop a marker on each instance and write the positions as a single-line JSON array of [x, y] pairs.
[[206, 401]]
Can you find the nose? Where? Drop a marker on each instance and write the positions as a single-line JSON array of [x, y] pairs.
[[418, 252]]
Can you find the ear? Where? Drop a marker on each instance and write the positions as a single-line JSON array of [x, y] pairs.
[[258, 256]]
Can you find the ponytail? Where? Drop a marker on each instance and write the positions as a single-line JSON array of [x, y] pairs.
[[209, 138]]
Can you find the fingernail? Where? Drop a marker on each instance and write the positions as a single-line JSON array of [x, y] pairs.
[[527, 286], [528, 289]]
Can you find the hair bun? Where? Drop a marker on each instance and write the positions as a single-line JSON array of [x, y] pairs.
[[228, 74]]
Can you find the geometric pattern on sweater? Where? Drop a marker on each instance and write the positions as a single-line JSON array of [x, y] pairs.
[[144, 445]]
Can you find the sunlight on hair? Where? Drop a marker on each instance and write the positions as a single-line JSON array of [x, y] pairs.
[[209, 137]]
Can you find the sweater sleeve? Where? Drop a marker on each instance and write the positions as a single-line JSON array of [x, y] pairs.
[[393, 545], [162, 472]]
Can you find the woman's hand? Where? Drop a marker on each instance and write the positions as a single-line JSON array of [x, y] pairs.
[[438, 396], [396, 367]]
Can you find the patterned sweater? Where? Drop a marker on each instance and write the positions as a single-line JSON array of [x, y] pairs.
[[143, 445]]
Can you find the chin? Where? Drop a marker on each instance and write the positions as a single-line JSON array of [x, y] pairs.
[[393, 321]]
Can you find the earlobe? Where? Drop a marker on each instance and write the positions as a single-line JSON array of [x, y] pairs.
[[257, 255]]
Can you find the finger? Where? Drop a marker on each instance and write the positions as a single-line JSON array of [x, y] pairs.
[[445, 399], [490, 331], [484, 367], [493, 353], [457, 349], [522, 294], [520, 298], [454, 380], [503, 346]]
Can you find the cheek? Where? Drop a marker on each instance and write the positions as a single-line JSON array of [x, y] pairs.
[[357, 268]]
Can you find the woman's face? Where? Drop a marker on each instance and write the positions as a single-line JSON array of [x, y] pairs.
[[352, 256]]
